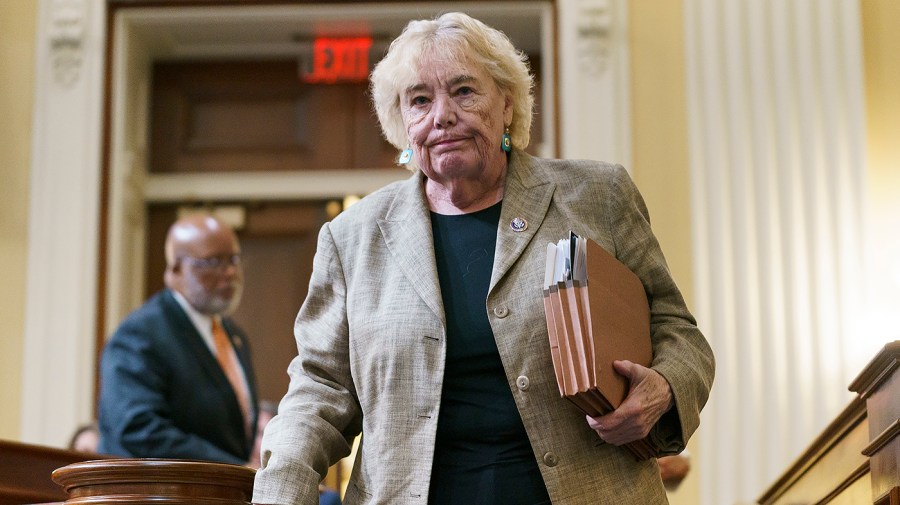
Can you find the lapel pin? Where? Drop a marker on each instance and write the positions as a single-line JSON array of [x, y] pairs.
[[237, 342], [518, 224]]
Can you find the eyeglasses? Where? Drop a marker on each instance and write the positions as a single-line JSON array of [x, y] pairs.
[[219, 263]]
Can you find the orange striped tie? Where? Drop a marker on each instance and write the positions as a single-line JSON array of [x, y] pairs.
[[227, 359]]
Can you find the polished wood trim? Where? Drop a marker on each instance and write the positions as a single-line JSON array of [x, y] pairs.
[[856, 457], [880, 369], [851, 416], [883, 438], [155, 480], [25, 471], [103, 217], [857, 474], [892, 497]]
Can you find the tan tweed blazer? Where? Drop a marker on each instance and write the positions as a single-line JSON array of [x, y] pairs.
[[371, 342]]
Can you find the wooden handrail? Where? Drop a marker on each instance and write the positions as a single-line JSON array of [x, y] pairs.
[[857, 458]]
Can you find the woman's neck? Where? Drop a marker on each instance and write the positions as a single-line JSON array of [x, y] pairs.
[[463, 196]]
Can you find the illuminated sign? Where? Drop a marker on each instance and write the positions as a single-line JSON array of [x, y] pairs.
[[338, 60]]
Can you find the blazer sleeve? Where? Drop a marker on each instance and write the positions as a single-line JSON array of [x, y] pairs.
[[136, 419], [320, 415], [681, 354]]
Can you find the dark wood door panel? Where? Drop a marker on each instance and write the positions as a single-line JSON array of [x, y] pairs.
[[258, 116]]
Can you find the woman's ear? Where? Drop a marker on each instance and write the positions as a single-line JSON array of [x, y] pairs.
[[508, 109]]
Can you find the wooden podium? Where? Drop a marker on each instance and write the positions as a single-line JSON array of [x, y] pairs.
[[159, 481], [79, 478], [856, 460]]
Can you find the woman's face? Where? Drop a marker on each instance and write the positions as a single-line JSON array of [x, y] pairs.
[[455, 116]]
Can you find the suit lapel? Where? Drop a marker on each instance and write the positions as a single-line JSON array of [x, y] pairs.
[[239, 341], [190, 339], [527, 196], [406, 228]]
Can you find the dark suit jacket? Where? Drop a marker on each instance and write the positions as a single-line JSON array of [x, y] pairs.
[[163, 394]]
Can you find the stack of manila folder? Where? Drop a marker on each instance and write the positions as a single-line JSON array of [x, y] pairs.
[[597, 312]]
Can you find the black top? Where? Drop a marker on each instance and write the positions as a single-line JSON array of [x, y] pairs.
[[482, 453]]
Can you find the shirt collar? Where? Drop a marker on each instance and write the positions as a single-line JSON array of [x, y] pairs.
[[202, 322]]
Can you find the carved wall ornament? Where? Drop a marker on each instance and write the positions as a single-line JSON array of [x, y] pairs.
[[593, 32], [67, 18]]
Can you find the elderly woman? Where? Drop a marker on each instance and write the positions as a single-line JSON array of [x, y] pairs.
[[424, 326]]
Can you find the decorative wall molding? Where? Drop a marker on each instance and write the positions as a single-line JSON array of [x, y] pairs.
[[58, 363], [776, 128], [595, 113], [316, 184], [66, 31], [593, 33]]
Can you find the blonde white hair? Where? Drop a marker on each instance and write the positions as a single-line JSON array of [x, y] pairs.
[[458, 38]]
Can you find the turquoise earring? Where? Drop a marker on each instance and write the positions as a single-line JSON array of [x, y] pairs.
[[506, 141], [405, 155]]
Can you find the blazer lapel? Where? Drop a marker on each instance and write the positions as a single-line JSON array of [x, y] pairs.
[[526, 197], [406, 228]]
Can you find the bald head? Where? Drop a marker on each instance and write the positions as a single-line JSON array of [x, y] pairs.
[[188, 231], [203, 263]]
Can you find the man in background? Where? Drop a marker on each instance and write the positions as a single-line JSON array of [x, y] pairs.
[[175, 378]]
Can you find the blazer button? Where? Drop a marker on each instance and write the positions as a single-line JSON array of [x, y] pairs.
[[501, 311], [550, 459], [522, 383]]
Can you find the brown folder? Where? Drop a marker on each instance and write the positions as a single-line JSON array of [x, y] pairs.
[[593, 324], [619, 320], [553, 332]]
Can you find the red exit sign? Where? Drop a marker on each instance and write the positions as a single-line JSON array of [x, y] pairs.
[[338, 60]]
